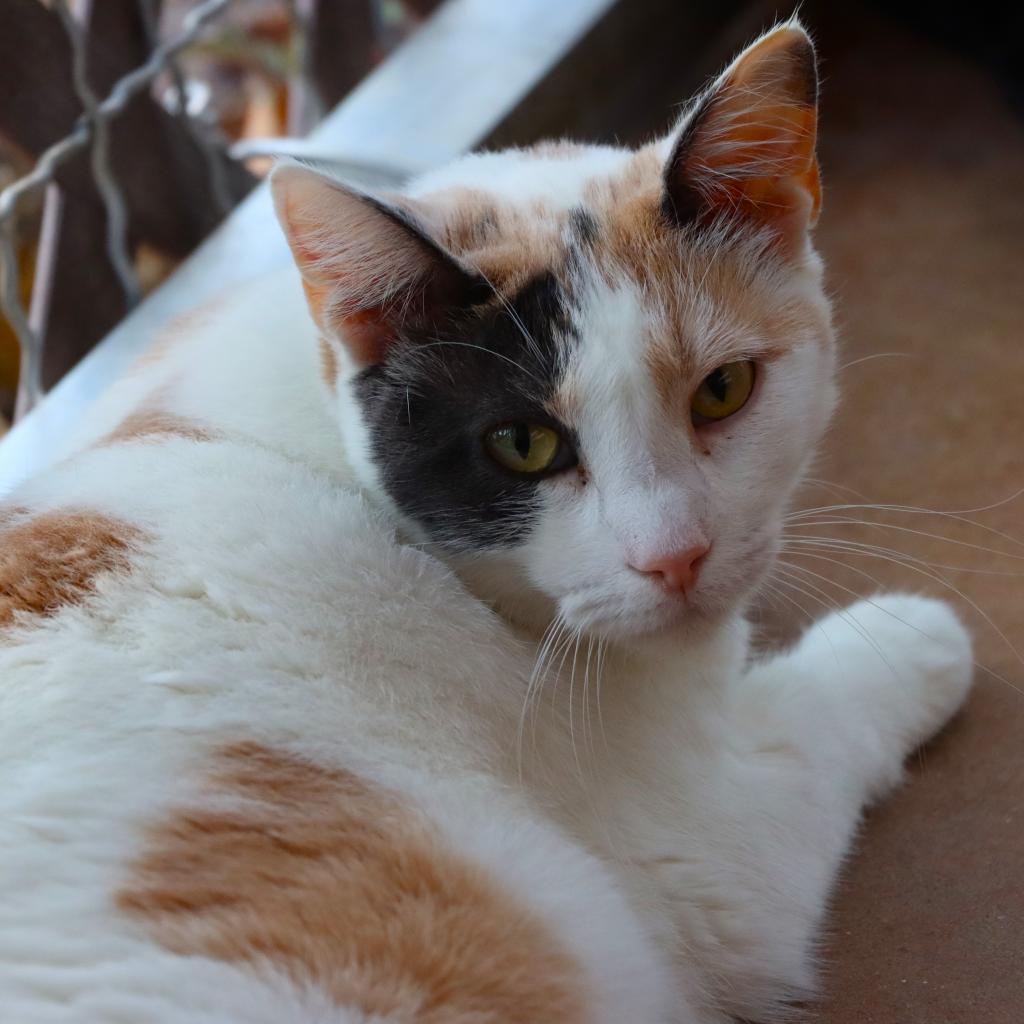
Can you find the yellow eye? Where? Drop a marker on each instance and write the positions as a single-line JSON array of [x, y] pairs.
[[523, 447], [723, 391]]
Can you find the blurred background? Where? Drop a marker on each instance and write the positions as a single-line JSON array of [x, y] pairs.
[[173, 158], [922, 152]]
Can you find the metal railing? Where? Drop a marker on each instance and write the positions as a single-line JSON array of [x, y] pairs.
[[94, 164]]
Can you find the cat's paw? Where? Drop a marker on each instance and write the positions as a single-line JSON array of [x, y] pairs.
[[916, 656]]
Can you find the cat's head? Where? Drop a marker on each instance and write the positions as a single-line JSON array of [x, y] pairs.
[[592, 376]]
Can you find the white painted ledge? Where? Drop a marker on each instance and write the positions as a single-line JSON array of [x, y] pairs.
[[437, 96]]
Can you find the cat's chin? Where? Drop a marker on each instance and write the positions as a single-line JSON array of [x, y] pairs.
[[640, 621]]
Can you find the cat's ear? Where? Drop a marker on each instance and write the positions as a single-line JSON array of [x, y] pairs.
[[746, 147], [368, 267]]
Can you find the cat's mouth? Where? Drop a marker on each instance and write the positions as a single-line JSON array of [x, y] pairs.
[[620, 616], [635, 607]]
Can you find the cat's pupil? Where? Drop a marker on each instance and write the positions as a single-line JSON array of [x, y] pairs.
[[718, 384], [522, 440]]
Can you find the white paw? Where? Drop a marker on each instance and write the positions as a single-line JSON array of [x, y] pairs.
[[914, 653]]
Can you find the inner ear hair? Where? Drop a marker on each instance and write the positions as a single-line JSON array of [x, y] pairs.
[[746, 148], [369, 267]]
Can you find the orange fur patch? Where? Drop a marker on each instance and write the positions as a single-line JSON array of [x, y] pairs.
[[336, 882], [328, 363], [54, 559], [177, 329], [152, 424], [509, 245], [8, 513]]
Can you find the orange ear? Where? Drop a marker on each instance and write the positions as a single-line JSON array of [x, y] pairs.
[[747, 146], [367, 267]]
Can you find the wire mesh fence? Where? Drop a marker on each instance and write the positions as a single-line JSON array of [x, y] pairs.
[[114, 148], [92, 129]]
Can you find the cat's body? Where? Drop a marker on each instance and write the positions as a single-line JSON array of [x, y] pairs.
[[266, 757]]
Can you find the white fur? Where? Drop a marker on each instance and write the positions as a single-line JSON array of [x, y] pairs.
[[524, 177]]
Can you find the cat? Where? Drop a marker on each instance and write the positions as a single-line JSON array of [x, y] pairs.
[[379, 653]]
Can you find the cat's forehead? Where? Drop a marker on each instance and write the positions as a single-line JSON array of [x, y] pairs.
[[517, 215], [636, 291], [571, 211], [553, 173]]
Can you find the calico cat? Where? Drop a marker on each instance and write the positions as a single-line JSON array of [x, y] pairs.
[[450, 716]]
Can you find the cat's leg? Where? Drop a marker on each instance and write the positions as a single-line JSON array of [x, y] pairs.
[[822, 730], [737, 811], [863, 687]]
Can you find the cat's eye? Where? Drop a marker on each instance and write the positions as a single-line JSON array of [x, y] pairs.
[[526, 447], [723, 392]]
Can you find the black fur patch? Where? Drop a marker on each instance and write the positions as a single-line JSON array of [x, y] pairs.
[[582, 236], [681, 202], [582, 227], [430, 403]]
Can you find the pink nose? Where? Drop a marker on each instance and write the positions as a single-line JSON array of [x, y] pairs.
[[678, 571]]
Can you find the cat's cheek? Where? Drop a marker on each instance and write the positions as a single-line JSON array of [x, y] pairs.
[[727, 586], [569, 486]]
